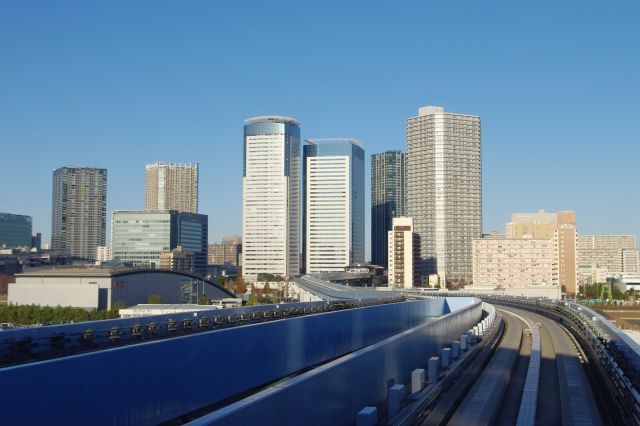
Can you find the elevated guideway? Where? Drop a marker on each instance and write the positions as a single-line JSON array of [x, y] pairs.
[[237, 366], [586, 361], [326, 290]]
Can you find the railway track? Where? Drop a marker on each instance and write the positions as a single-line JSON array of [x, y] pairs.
[[564, 391]]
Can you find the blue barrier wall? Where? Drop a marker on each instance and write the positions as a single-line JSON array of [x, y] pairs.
[[157, 381], [333, 393]]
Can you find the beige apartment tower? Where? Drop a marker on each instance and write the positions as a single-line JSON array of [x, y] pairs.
[[229, 251], [172, 186], [178, 259], [602, 256], [559, 227], [403, 253], [505, 263], [444, 191]]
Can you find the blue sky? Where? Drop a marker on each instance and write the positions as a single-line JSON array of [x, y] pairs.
[[119, 84]]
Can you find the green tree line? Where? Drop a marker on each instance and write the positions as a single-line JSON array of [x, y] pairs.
[[35, 314]]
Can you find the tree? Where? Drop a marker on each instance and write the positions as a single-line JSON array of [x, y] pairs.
[[229, 285], [253, 298], [117, 306], [203, 300], [241, 286], [220, 281], [154, 299]]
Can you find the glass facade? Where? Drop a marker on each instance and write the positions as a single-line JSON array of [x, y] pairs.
[[333, 200], [387, 200], [138, 237], [15, 230]]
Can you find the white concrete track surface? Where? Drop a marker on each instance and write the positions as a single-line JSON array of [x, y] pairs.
[[564, 391]]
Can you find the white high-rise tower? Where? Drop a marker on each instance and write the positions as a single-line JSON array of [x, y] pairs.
[[271, 197], [334, 204]]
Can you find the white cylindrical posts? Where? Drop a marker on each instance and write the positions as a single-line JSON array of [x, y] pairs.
[[417, 380], [368, 416], [446, 357], [433, 367]]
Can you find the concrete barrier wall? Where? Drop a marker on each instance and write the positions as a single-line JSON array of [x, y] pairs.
[[152, 382], [335, 392]]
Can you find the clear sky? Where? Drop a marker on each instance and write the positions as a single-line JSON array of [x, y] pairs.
[[118, 84]]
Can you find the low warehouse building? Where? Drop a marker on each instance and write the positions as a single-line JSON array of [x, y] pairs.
[[101, 288]]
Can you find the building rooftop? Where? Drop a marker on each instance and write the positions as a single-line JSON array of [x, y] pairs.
[[353, 141], [273, 119], [171, 163]]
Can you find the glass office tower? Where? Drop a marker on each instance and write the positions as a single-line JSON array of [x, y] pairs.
[[79, 210], [139, 236], [333, 204], [271, 197], [15, 230], [387, 200]]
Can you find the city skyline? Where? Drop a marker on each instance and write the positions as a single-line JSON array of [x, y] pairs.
[[191, 109]]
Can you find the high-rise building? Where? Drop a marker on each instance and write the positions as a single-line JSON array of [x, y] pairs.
[[560, 227], [388, 198], [229, 251], [15, 230], [602, 256], [333, 204], [271, 197], [444, 191], [139, 236], [172, 186], [403, 251], [79, 210]]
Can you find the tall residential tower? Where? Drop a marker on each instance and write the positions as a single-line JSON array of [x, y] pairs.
[[172, 186], [444, 190], [271, 197], [333, 204], [387, 199], [79, 210]]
